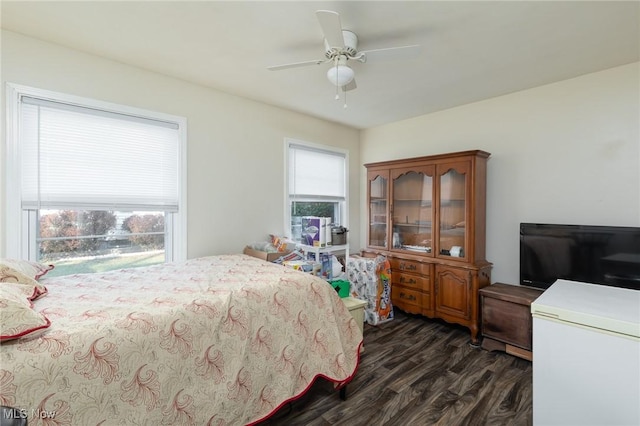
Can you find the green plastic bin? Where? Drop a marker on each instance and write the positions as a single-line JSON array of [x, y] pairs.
[[342, 287]]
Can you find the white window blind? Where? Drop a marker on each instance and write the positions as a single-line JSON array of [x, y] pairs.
[[84, 158], [316, 173]]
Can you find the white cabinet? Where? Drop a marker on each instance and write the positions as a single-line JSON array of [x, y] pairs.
[[586, 367]]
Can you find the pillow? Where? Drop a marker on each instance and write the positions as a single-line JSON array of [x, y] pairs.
[[25, 273], [18, 317], [457, 225], [31, 269]]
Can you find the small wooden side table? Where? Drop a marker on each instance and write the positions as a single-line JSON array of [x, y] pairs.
[[506, 322]]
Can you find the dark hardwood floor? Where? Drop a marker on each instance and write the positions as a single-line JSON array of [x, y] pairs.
[[418, 371]]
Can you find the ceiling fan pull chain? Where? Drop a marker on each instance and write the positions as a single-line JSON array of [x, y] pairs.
[[337, 87], [345, 100]]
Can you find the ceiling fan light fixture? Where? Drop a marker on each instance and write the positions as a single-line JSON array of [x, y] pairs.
[[340, 75]]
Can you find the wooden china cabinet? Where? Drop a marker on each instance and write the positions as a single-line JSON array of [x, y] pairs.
[[427, 215]]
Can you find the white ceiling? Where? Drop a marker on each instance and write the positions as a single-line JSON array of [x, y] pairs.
[[470, 51]]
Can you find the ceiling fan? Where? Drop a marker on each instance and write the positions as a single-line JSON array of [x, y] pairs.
[[341, 46]]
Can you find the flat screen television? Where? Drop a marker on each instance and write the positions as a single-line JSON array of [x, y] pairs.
[[608, 255]]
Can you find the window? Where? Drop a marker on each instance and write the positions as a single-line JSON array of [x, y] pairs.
[[316, 185], [93, 186]]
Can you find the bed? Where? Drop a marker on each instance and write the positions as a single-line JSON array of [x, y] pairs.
[[219, 340]]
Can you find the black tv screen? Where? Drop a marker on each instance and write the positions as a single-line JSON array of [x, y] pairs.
[[608, 255]]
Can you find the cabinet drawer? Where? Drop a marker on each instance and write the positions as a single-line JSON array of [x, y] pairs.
[[410, 300], [400, 265], [507, 322], [412, 281]]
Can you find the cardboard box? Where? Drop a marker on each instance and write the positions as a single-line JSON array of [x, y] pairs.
[[269, 257], [316, 231], [311, 230]]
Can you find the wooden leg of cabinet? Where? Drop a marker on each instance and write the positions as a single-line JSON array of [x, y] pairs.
[[519, 352], [475, 341], [495, 345]]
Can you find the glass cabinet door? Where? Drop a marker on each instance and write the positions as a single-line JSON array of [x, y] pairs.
[[452, 210], [412, 212], [378, 208]]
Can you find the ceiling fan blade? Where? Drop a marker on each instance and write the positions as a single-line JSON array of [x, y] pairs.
[[331, 27], [391, 53], [351, 86], [296, 64]]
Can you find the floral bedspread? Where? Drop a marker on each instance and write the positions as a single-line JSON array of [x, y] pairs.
[[221, 340]]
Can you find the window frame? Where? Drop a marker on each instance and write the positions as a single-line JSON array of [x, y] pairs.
[[20, 225], [343, 204]]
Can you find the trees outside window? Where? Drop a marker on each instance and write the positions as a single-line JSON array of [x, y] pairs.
[[64, 233], [95, 240], [147, 230]]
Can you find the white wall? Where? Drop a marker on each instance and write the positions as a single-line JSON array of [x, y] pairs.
[[567, 152], [235, 146]]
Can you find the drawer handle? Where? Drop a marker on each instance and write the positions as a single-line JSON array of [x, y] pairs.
[[408, 297], [408, 267], [404, 280]]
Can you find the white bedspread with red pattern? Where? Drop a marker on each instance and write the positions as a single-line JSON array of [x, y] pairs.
[[221, 340]]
